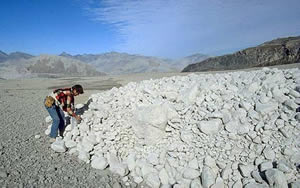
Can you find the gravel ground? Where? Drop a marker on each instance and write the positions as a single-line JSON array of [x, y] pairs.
[[27, 161]]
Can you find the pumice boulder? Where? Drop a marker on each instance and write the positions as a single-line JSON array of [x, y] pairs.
[[150, 123], [237, 129]]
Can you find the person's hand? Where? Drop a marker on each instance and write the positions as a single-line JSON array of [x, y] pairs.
[[78, 119]]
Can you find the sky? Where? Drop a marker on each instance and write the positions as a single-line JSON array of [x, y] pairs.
[[162, 28]]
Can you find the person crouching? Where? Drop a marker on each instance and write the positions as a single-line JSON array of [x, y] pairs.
[[56, 103]]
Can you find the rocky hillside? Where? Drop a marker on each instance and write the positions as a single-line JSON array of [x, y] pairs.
[[47, 66], [275, 52]]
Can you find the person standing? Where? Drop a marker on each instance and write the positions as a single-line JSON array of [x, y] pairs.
[[58, 102]]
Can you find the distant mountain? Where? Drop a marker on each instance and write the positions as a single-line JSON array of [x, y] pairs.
[[123, 63], [14, 56], [25, 65], [47, 66], [275, 52], [19, 55], [3, 56], [64, 54]]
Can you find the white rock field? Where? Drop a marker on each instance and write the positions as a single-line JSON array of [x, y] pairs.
[[237, 129]]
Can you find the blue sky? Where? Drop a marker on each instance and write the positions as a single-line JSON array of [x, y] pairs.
[[164, 28]]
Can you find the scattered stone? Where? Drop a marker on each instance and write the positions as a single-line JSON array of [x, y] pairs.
[[48, 119], [37, 136]]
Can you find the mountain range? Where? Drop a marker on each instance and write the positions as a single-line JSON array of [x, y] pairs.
[[276, 52], [19, 65], [13, 56]]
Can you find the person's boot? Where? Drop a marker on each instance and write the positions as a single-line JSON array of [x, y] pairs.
[[52, 140]]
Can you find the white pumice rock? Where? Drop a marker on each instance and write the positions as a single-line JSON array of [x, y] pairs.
[[225, 174], [295, 158], [291, 104], [47, 131], [210, 127], [219, 183], [256, 175], [265, 166], [190, 173], [58, 145], [276, 178], [116, 166], [196, 183], [237, 184], [152, 180], [232, 126], [284, 167], [208, 177], [37, 136], [99, 162], [266, 108], [294, 93], [163, 176], [297, 116], [70, 143], [153, 158], [84, 156], [131, 161], [297, 101], [295, 184], [246, 170], [48, 119], [269, 153], [256, 185], [193, 163]]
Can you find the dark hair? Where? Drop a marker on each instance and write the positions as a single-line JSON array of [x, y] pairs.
[[78, 88]]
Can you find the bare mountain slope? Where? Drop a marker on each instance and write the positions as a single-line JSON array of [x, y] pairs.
[[275, 52], [123, 63], [47, 66]]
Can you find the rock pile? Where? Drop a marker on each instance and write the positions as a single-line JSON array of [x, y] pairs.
[[238, 129]]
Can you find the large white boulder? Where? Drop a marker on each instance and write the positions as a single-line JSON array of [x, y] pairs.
[[150, 123]]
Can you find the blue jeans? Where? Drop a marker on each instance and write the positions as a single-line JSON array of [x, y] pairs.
[[58, 120]]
